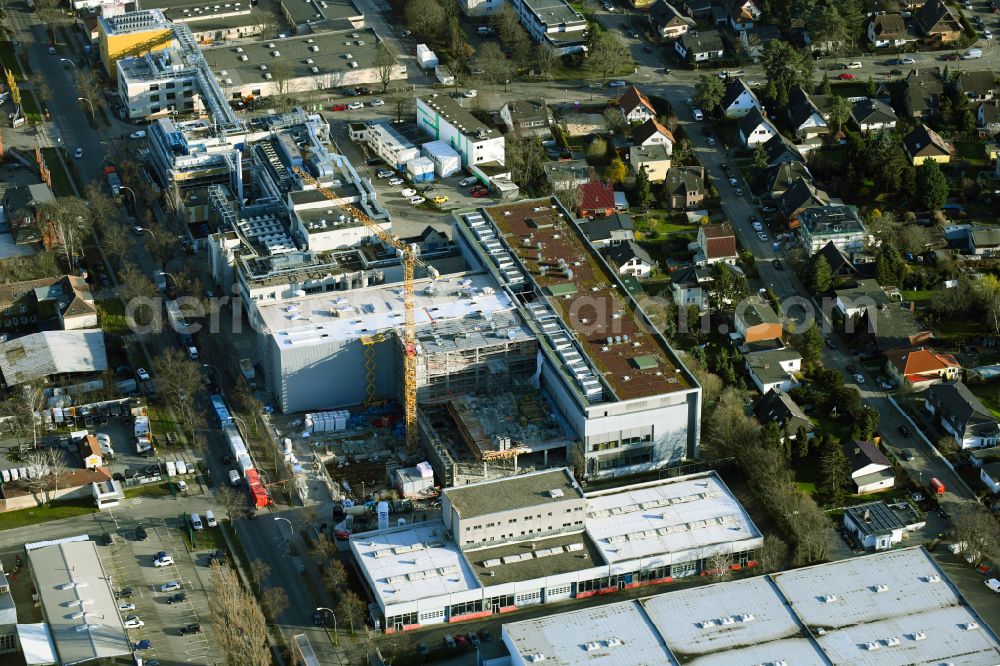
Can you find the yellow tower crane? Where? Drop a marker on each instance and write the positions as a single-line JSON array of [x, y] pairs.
[[408, 254]]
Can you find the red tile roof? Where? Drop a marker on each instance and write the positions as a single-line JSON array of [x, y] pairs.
[[648, 129], [632, 98], [597, 196], [922, 361], [720, 241]]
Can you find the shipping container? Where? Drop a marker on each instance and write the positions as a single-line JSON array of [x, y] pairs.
[[446, 160], [420, 170]]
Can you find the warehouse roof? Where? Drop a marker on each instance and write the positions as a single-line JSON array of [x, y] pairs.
[[329, 52], [890, 608], [40, 355], [511, 493], [458, 116], [670, 517], [539, 558], [79, 605], [313, 11]]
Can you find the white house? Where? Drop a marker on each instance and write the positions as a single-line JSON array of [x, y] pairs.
[[990, 476], [872, 115], [772, 369], [755, 128], [700, 46], [630, 259], [888, 30], [738, 99], [880, 526], [962, 415], [871, 471], [689, 286], [807, 121], [742, 14], [652, 133], [635, 106]]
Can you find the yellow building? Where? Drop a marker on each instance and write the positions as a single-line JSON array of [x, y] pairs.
[[132, 34], [923, 144]]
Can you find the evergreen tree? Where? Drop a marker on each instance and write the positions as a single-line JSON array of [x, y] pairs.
[[810, 344], [824, 86], [871, 88], [932, 186], [822, 275], [643, 193], [833, 474], [801, 443]]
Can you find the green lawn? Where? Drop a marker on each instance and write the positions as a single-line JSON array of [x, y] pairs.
[[9, 60], [32, 109], [918, 296], [971, 151], [662, 223], [61, 183], [149, 490], [989, 394], [946, 329], [209, 538], [111, 316], [43, 514]]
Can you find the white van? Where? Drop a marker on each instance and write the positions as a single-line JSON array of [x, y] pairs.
[[234, 477], [196, 522], [697, 114], [973, 54], [994, 585], [210, 518]]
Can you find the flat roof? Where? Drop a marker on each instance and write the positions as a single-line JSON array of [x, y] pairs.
[[329, 55], [917, 600], [351, 314], [891, 608], [600, 310], [311, 11], [555, 12], [413, 562], [459, 116], [512, 493], [664, 517], [538, 558], [78, 602], [740, 622]]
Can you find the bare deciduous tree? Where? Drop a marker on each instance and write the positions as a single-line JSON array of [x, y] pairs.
[[978, 533], [239, 623], [265, 21], [323, 548], [351, 608], [259, 570], [20, 412], [232, 501], [773, 553], [334, 576], [385, 63], [274, 602], [49, 468], [179, 379], [719, 567]]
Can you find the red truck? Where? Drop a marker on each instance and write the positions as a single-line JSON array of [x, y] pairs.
[[937, 487]]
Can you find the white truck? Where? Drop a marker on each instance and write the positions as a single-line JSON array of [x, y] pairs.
[[143, 436]]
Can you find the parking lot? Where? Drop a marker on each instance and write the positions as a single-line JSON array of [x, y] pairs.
[[129, 563]]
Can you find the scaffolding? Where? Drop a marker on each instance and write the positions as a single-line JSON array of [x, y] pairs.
[[369, 342]]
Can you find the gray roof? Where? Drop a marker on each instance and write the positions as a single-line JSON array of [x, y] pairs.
[[624, 252], [97, 635], [527, 110], [702, 41], [961, 407], [760, 313], [978, 83], [23, 196], [752, 121], [985, 237], [924, 141], [871, 111], [457, 114], [800, 195], [874, 518], [512, 493], [532, 568], [39, 355], [692, 276], [316, 11], [766, 365], [663, 13], [329, 56], [734, 89], [894, 326], [862, 453], [780, 177], [778, 149], [831, 220], [684, 179], [889, 25], [836, 258], [801, 107], [923, 88], [778, 407], [602, 228]]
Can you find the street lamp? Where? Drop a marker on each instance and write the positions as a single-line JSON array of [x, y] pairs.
[[89, 103], [135, 199], [142, 229], [336, 638], [69, 61], [290, 527], [218, 373]]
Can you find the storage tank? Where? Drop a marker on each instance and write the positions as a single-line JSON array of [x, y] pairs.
[[446, 160], [421, 170]]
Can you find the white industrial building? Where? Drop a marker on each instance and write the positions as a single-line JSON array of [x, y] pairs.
[[890, 608], [612, 377], [537, 538], [446, 161], [390, 145], [444, 119], [553, 22]]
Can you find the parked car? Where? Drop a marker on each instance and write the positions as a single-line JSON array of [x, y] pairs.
[[859, 379], [385, 173], [164, 561], [408, 192], [144, 644], [908, 61], [354, 106], [170, 586], [473, 638], [133, 622], [339, 107], [439, 199], [193, 628], [471, 93], [138, 134], [466, 182], [906, 455], [377, 102], [449, 640], [854, 65], [396, 182], [761, 235], [78, 153], [777, 265], [140, 533], [126, 606], [710, 141], [177, 598], [733, 181], [125, 593], [417, 200], [617, 84], [479, 194], [846, 77]]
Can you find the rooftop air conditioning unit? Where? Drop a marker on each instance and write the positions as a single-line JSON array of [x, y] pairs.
[[229, 82], [239, 49], [270, 45], [275, 53], [314, 70], [309, 61], [263, 68], [354, 64], [244, 57], [360, 42], [314, 48], [347, 56]]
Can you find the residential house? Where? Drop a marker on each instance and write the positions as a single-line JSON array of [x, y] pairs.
[[652, 133], [654, 160], [684, 187], [891, 326], [887, 30], [753, 41], [855, 299], [779, 150], [924, 144], [962, 415], [56, 303], [604, 232], [879, 526], [779, 178], [716, 243], [700, 46], [988, 117], [597, 199], [871, 471], [989, 474], [635, 106], [527, 117], [22, 206], [919, 368], [754, 128], [773, 369], [978, 85], [630, 259], [937, 23], [922, 92], [807, 121], [840, 263], [778, 407], [799, 197], [689, 286], [872, 115], [742, 14], [698, 9], [838, 224], [667, 22], [757, 322], [567, 175], [738, 99], [90, 451], [985, 241]]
